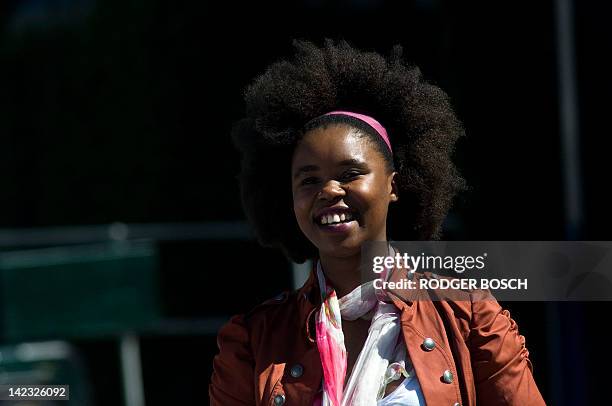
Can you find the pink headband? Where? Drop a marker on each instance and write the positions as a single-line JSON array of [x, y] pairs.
[[368, 120]]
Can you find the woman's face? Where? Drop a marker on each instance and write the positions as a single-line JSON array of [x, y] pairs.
[[341, 190]]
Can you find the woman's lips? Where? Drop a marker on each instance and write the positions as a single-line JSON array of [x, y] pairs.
[[339, 227], [337, 219]]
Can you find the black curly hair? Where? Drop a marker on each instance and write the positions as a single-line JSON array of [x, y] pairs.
[[290, 97]]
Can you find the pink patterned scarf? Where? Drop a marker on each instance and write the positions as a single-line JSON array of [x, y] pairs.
[[364, 384]]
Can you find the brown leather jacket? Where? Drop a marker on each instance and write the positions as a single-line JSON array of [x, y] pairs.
[[268, 356]]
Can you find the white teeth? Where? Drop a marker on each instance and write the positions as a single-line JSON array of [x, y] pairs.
[[335, 218]]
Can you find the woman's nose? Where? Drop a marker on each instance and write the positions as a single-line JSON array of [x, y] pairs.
[[331, 190]]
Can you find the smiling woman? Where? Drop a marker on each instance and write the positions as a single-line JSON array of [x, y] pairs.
[[334, 143], [339, 173]]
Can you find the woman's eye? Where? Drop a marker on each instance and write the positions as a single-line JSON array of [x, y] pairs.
[[350, 175], [309, 181]]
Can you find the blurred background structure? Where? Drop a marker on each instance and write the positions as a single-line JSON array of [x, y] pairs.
[[120, 218]]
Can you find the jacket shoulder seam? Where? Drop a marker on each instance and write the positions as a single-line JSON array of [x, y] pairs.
[[275, 302]]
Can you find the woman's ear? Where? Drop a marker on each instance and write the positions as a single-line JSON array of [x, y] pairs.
[[394, 190]]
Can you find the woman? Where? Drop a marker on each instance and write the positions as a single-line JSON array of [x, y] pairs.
[[341, 147]]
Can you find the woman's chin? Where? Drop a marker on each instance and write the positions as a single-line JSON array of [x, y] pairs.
[[348, 247], [338, 240]]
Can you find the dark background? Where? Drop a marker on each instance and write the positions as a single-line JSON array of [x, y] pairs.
[[119, 111]]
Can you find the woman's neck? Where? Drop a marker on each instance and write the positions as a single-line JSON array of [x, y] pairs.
[[342, 273], [345, 273]]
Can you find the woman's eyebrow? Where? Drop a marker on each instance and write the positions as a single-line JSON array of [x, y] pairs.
[[305, 168], [353, 161]]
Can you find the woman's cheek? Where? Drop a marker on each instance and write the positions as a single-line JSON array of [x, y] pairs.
[[301, 208]]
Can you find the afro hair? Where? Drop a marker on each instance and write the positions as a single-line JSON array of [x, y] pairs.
[[417, 115]]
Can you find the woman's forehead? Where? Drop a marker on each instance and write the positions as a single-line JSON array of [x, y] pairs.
[[334, 144]]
